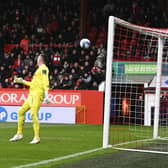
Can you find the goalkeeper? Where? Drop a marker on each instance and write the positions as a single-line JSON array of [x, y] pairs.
[[38, 91]]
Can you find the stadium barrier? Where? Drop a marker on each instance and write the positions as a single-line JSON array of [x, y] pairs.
[[67, 106]]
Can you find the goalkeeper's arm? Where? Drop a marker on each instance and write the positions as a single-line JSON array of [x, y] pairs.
[[45, 86], [27, 83], [21, 81]]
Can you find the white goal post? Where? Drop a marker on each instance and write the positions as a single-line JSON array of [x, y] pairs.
[[141, 33], [108, 82]]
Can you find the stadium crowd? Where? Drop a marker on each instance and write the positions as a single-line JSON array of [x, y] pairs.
[[52, 27]]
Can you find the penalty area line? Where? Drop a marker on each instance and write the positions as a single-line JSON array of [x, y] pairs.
[[58, 158]]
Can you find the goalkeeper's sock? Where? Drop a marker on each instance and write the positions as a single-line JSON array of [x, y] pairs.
[[20, 131], [36, 133], [37, 136]]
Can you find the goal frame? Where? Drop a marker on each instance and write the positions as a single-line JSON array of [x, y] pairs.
[[158, 33]]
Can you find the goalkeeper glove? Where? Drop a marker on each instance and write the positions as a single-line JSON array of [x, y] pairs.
[[46, 99], [18, 80]]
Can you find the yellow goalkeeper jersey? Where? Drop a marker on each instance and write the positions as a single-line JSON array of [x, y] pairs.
[[40, 81]]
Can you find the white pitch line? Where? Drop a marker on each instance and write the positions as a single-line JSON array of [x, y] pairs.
[[25, 126], [142, 151], [58, 159]]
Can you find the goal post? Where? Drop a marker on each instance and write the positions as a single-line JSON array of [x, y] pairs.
[[134, 72], [158, 87], [109, 61]]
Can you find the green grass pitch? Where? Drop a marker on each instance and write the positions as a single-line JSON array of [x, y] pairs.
[[56, 141]]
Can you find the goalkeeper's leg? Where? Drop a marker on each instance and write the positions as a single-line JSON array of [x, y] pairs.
[[21, 118], [35, 106], [25, 107]]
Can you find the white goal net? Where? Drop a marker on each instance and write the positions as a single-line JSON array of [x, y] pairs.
[[136, 92]]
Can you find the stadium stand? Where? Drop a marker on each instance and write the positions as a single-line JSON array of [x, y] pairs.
[[52, 27]]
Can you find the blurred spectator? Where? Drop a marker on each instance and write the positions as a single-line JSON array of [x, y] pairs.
[[80, 85], [54, 24], [18, 62], [51, 49], [94, 86], [72, 81], [59, 39], [31, 66], [2, 42], [100, 61], [87, 78], [27, 60], [87, 66], [20, 68], [25, 44], [101, 50], [66, 66], [29, 76], [24, 73], [3, 75], [60, 81], [76, 66], [67, 84], [74, 74], [72, 57], [55, 85], [11, 59]]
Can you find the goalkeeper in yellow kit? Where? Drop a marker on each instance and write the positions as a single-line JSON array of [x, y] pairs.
[[38, 91]]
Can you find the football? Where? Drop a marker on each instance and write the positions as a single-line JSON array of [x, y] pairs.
[[85, 43]]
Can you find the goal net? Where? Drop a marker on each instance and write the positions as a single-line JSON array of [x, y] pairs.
[[135, 110]]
